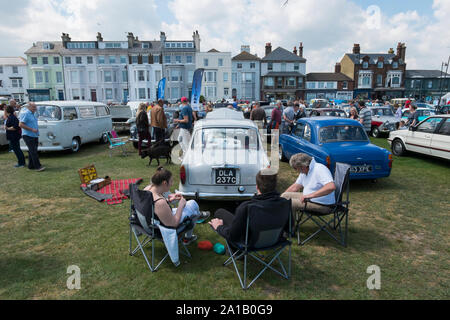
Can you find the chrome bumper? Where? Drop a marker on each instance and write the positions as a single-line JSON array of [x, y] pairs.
[[217, 196]]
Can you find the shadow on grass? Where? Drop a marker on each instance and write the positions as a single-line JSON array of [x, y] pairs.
[[22, 270], [359, 240]]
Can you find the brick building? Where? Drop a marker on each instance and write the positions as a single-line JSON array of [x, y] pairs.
[[376, 75], [329, 85]]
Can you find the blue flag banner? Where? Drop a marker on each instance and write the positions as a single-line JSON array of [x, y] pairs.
[[161, 88], [196, 89]]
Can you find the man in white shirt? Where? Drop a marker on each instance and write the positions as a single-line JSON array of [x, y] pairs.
[[316, 181]]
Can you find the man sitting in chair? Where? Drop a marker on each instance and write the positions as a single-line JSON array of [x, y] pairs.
[[233, 227], [316, 181]]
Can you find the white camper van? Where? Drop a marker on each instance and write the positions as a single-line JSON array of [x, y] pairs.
[[69, 124]]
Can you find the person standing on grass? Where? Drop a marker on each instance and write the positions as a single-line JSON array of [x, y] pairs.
[[365, 117], [184, 122], [158, 121], [275, 120], [259, 116], [28, 122], [13, 135], [142, 126]]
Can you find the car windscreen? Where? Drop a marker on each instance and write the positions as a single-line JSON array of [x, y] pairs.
[[49, 113], [382, 112], [226, 139], [341, 133], [333, 113]]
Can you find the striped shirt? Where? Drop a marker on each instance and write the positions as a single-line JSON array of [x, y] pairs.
[[366, 115]]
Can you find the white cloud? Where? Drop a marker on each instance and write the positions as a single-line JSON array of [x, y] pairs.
[[327, 28]]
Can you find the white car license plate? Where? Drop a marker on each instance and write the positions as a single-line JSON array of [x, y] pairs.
[[226, 176], [365, 168]]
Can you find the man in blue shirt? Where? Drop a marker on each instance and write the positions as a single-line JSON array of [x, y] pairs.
[[28, 121], [185, 124]]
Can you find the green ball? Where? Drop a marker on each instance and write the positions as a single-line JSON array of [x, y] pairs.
[[219, 248]]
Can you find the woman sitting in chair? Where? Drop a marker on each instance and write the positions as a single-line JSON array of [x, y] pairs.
[[170, 217]]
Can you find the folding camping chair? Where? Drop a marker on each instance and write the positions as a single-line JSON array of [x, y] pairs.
[[262, 236], [339, 210], [115, 142], [144, 225]]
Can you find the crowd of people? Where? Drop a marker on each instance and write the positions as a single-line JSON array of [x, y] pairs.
[[314, 184], [23, 127]]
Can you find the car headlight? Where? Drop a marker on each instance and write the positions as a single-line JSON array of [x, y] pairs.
[[51, 136]]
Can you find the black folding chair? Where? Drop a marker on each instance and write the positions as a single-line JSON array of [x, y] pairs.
[[339, 210], [262, 236], [144, 225]]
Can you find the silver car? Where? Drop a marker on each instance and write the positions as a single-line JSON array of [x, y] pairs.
[[225, 154]]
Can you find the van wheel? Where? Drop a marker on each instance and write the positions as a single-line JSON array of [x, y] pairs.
[[398, 148], [75, 146]]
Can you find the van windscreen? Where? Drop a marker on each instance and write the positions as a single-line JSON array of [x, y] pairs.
[[49, 113]]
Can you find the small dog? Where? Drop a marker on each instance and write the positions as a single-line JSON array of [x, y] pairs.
[[160, 149]]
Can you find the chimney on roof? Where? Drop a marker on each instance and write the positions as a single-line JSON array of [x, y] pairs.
[[196, 38], [403, 55], [130, 38], [300, 50], [99, 37], [399, 50], [268, 48], [162, 37], [337, 68], [295, 50], [65, 38], [356, 48], [391, 51]]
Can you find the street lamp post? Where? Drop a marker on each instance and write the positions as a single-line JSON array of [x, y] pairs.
[[440, 80]]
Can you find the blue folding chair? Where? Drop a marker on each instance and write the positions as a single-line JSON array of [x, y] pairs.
[[115, 143]]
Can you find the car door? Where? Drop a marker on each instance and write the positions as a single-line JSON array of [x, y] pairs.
[[420, 139], [295, 143], [70, 129], [440, 141]]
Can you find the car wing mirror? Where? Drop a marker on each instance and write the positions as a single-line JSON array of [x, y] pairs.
[[412, 128]]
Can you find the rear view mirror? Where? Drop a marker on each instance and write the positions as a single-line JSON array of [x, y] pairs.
[[413, 128]]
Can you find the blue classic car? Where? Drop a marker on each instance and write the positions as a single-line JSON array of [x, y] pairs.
[[330, 140]]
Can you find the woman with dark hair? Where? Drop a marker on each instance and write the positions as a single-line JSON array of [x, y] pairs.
[[170, 217], [13, 135], [142, 125]]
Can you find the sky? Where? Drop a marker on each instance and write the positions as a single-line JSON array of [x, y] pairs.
[[327, 28]]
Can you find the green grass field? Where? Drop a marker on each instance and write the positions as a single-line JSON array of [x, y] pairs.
[[399, 223]]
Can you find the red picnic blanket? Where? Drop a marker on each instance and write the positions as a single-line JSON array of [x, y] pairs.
[[117, 189]]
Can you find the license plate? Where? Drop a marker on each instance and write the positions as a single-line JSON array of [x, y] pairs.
[[226, 176], [361, 168]]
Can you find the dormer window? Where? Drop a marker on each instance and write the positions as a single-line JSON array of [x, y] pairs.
[[365, 65], [394, 65]]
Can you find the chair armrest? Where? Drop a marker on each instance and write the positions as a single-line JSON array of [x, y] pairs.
[[320, 204]]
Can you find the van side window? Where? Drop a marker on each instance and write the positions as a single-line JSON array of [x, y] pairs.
[[87, 112], [70, 114], [101, 111]]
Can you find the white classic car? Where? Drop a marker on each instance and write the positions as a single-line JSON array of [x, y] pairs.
[[431, 137], [225, 154]]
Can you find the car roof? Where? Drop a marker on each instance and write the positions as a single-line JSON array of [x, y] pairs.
[[328, 121], [72, 103]]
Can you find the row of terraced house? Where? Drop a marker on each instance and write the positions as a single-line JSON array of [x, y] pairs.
[[120, 71]]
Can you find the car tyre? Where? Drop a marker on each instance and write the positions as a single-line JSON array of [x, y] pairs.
[[281, 155], [398, 148], [375, 132], [104, 138], [75, 146]]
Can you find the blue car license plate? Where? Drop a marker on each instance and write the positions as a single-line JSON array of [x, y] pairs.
[[226, 176], [364, 168]]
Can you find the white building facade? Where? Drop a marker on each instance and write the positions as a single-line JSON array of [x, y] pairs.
[[13, 78], [245, 77], [216, 84]]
